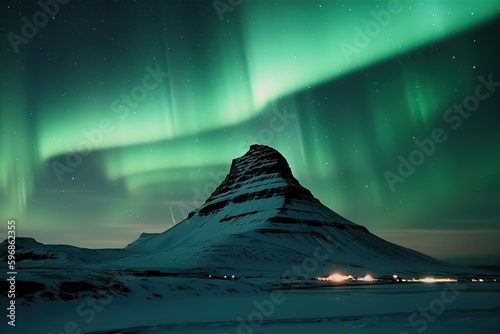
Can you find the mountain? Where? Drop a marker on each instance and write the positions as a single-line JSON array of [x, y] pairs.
[[260, 219], [260, 225]]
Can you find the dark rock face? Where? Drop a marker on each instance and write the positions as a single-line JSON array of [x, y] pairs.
[[261, 167], [257, 164], [262, 175]]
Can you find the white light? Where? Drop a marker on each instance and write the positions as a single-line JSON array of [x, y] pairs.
[[428, 280], [367, 278], [338, 277], [437, 280]]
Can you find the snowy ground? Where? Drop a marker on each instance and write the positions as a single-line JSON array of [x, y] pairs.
[[377, 308]]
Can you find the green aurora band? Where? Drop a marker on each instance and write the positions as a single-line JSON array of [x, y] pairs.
[[151, 108]]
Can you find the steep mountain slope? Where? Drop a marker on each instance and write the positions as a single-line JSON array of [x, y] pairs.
[[260, 219]]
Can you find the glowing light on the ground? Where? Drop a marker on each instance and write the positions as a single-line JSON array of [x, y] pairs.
[[366, 278], [480, 280], [437, 280], [336, 278], [341, 278]]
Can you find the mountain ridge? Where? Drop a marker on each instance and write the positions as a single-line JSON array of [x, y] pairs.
[[261, 211]]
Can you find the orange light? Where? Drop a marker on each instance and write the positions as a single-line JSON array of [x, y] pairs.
[[336, 277], [339, 277]]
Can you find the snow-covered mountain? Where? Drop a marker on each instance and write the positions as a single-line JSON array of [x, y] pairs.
[[260, 219], [259, 225]]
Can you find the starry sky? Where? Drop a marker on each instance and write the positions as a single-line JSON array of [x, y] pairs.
[[118, 118]]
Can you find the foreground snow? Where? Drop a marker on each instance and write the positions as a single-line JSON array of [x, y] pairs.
[[374, 308]]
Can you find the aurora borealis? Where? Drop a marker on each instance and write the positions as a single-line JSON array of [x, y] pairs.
[[118, 118]]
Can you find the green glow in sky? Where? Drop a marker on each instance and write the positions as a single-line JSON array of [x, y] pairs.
[[307, 45], [153, 101]]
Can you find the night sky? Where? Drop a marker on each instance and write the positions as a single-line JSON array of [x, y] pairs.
[[118, 118]]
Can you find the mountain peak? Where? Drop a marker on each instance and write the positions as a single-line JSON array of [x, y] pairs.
[[258, 165]]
